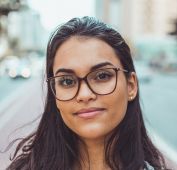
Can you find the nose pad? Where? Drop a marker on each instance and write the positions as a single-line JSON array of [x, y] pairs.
[[85, 94]]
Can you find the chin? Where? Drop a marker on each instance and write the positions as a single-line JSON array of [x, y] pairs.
[[92, 133]]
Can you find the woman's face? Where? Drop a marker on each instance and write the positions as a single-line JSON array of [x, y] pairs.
[[89, 115]]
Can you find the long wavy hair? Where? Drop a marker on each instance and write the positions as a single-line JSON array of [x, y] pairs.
[[55, 147]]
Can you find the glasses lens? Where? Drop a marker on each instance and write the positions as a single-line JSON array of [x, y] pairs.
[[102, 81], [64, 87]]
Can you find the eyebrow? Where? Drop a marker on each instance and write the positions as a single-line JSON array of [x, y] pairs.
[[97, 66]]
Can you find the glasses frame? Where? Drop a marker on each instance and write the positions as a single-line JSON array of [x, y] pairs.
[[86, 81]]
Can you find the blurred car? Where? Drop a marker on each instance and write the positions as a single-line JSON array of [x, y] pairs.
[[16, 67], [19, 71]]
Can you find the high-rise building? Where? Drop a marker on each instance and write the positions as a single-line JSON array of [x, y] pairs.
[[25, 29], [137, 18], [109, 11]]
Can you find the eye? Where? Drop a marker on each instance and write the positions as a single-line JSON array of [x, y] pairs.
[[103, 76], [66, 81]]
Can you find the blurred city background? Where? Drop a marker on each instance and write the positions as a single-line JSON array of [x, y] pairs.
[[149, 27]]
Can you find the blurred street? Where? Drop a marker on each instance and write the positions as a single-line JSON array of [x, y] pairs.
[[8, 85], [160, 114], [26, 106]]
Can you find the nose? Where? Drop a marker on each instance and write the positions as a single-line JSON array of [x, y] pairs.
[[85, 94]]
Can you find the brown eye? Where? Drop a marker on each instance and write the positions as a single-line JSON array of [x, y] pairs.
[[103, 76], [66, 81]]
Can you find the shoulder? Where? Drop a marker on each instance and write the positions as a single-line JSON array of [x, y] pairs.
[[149, 167]]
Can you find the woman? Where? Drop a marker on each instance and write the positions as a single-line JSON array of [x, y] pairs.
[[92, 118]]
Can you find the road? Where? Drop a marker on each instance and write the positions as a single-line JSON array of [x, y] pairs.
[[27, 106], [158, 99], [8, 85]]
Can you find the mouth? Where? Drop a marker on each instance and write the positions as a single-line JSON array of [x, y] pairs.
[[89, 113]]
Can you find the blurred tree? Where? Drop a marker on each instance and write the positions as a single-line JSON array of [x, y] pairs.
[[7, 6]]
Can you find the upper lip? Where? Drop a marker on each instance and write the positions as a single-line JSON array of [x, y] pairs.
[[91, 109]]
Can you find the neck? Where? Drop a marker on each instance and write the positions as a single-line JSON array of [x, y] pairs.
[[92, 155]]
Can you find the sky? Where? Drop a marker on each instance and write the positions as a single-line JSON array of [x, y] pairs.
[[54, 12]]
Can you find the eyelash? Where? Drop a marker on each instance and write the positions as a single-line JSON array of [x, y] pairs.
[[63, 80], [103, 73]]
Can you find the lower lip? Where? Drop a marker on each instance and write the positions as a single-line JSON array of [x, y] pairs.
[[89, 115]]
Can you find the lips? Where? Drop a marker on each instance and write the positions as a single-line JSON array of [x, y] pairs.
[[89, 113]]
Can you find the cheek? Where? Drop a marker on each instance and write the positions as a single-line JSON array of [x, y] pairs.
[[64, 110], [118, 102]]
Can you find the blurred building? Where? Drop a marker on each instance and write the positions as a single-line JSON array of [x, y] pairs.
[[21, 30], [3, 40], [136, 18], [6, 6], [145, 24], [109, 11], [152, 17], [25, 30]]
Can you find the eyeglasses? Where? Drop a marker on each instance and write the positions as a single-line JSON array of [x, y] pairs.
[[101, 82]]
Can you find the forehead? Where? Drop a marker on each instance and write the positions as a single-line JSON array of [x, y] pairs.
[[80, 54]]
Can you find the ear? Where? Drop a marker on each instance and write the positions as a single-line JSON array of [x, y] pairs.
[[132, 86]]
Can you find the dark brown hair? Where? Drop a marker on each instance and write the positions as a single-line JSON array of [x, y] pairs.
[[55, 147]]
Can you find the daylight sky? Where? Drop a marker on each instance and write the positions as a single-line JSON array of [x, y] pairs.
[[54, 12]]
